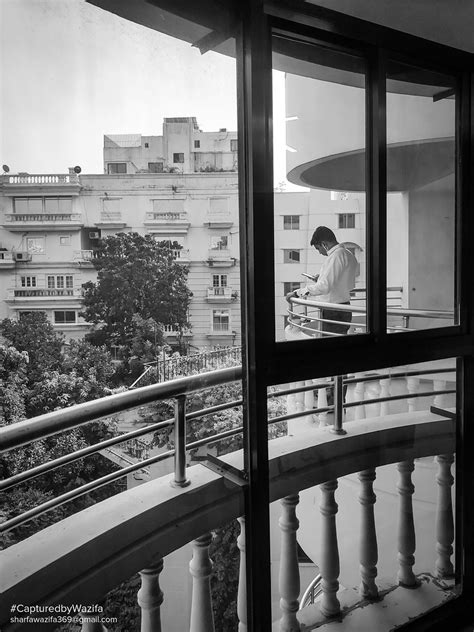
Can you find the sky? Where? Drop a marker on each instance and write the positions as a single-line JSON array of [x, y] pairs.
[[71, 73]]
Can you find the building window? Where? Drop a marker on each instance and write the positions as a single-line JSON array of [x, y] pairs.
[[220, 320], [178, 157], [291, 222], [65, 240], [346, 220], [197, 144], [35, 245], [64, 317], [146, 145], [53, 205], [219, 280], [155, 167], [290, 286], [291, 256], [219, 242], [60, 282], [234, 144], [28, 281], [117, 167]]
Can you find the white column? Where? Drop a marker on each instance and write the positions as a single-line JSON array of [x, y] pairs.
[[309, 402], [291, 400], [368, 536], [444, 517], [329, 558], [150, 597], [289, 578], [359, 395], [406, 526], [372, 391], [322, 403], [200, 567], [385, 391], [439, 400], [413, 386], [242, 590]]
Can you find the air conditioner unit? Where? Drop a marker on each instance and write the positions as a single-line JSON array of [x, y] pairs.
[[22, 256], [94, 235]]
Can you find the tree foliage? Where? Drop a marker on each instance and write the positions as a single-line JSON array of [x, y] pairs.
[[136, 275]]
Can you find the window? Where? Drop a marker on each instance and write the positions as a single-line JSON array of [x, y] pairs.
[[291, 222], [290, 286], [178, 157], [60, 281], [220, 320], [64, 317], [219, 280], [28, 281], [155, 167], [146, 145], [117, 167], [54, 205], [65, 240], [219, 242], [234, 144], [346, 220], [35, 245], [197, 144], [291, 256]]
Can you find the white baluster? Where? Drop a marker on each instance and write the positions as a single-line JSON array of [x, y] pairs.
[[372, 391], [329, 559], [242, 590], [291, 400], [289, 578], [385, 391], [309, 401], [200, 567], [439, 400], [406, 526], [368, 538], [444, 517], [299, 399], [150, 597], [359, 396], [92, 623], [322, 403], [413, 385]]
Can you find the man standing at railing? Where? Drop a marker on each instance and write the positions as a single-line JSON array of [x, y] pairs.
[[334, 283]]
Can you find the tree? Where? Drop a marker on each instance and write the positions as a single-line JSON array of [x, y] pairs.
[[136, 276], [34, 334]]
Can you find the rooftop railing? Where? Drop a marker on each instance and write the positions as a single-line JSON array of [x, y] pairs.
[[87, 554]]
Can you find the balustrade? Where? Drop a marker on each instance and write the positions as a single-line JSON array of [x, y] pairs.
[[289, 578], [329, 560], [368, 536], [202, 618], [406, 526], [444, 517], [150, 597]]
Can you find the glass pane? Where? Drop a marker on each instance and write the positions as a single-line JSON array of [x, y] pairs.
[[421, 121], [153, 216], [347, 478], [319, 190]]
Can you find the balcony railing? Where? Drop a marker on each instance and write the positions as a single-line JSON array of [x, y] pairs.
[[42, 221], [34, 180], [309, 321], [168, 221], [6, 259], [83, 255], [87, 554], [221, 294], [36, 292]]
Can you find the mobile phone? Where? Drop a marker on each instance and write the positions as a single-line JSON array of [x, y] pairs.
[[309, 276]]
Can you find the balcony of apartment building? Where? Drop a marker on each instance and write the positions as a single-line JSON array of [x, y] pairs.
[[221, 294], [111, 216], [218, 215], [219, 254], [365, 570], [7, 259]]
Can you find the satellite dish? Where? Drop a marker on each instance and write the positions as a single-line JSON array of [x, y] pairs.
[[77, 169], [5, 168]]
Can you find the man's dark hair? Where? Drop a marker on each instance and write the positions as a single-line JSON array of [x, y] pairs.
[[322, 233]]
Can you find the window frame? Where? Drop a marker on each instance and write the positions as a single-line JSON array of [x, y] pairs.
[[178, 158], [287, 257], [65, 322], [291, 222], [343, 219], [111, 168]]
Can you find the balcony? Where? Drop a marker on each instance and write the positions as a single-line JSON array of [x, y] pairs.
[[34, 293], [111, 219], [221, 295], [167, 222], [42, 222], [44, 184], [83, 257], [219, 220], [80, 558], [220, 258], [7, 261], [181, 255]]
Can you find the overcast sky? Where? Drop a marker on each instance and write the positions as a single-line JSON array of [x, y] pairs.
[[71, 73]]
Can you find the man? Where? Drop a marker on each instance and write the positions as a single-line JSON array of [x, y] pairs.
[[334, 283]]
